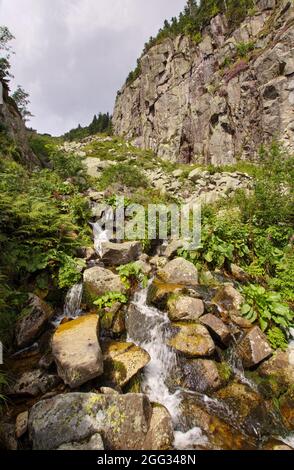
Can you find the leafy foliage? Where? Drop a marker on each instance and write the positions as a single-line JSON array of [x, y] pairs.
[[21, 98], [268, 309], [6, 51], [130, 272], [107, 300], [243, 48]]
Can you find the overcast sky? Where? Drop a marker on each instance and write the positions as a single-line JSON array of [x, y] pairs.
[[73, 55]]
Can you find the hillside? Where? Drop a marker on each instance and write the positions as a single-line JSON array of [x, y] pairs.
[[216, 96]]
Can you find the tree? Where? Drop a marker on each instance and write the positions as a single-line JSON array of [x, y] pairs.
[[6, 51], [21, 98]]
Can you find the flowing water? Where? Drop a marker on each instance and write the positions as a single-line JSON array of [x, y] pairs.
[[150, 332], [101, 235], [72, 304]]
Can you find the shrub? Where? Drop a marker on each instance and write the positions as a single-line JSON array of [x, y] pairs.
[[125, 174], [107, 300]]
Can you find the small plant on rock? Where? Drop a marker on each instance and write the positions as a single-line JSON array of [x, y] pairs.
[[107, 300]]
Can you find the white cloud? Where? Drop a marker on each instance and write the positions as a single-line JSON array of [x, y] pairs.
[[73, 55]]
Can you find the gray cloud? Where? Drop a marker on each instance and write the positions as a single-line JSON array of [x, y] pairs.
[[73, 55]]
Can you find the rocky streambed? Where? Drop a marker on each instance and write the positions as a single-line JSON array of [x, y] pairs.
[[177, 366]]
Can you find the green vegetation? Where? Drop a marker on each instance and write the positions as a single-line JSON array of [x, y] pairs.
[[107, 300], [194, 18], [43, 221], [100, 124], [269, 310], [123, 174], [243, 48], [256, 232], [132, 272]]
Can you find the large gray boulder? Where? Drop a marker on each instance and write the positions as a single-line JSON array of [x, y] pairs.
[[123, 421], [192, 340], [98, 281], [32, 321], [179, 271], [184, 308], [116, 254], [77, 352]]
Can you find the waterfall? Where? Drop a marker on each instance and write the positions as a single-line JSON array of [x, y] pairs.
[[150, 332], [72, 305], [73, 300], [101, 235]]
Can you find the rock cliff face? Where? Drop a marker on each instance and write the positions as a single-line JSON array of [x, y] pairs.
[[213, 102], [13, 124]]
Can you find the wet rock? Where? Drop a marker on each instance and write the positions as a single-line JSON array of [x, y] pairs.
[[21, 424], [98, 281], [122, 420], [217, 328], [160, 435], [179, 271], [123, 361], [32, 321], [279, 367], [192, 340], [238, 273], [94, 443], [254, 348], [159, 293], [228, 299], [33, 383], [248, 410], [182, 308], [201, 375], [116, 254], [77, 352]]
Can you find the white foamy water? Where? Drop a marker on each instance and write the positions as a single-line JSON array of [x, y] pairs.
[[150, 333], [101, 235], [72, 304]]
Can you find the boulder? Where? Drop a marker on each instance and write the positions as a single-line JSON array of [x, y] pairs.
[[32, 321], [254, 348], [192, 340], [33, 383], [77, 352], [160, 435], [182, 307], [228, 299], [217, 328], [201, 375], [94, 443], [159, 293], [98, 281], [116, 254], [123, 361], [279, 367], [123, 421], [172, 248], [21, 424], [179, 271]]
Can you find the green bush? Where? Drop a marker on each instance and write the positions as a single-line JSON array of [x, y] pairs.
[[107, 300], [243, 48], [124, 174]]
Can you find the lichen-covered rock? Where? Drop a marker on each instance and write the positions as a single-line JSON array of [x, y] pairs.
[[123, 361], [160, 435], [77, 352], [98, 281], [217, 328], [182, 308], [122, 420], [192, 340], [254, 348], [116, 254], [94, 443], [179, 271], [32, 321], [33, 383]]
